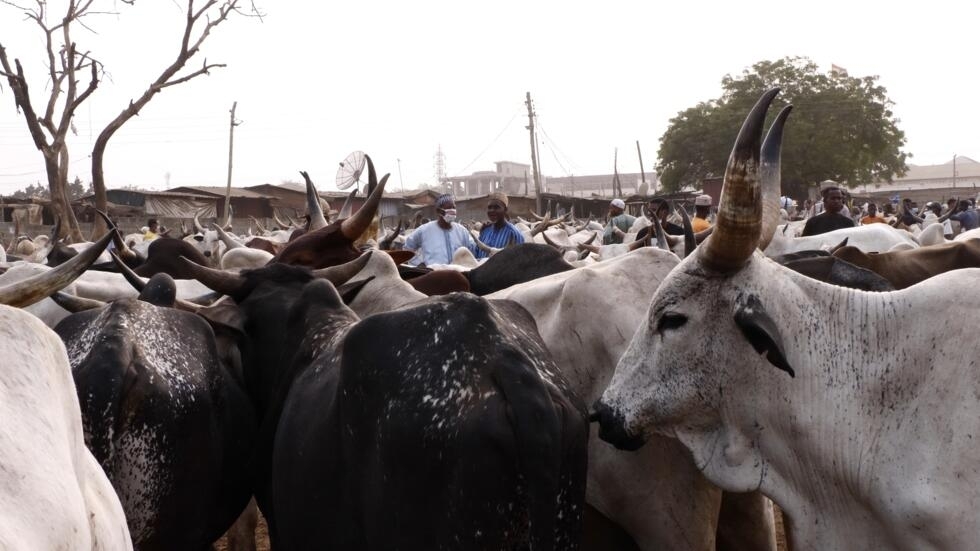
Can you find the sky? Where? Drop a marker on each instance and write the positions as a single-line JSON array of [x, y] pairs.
[[314, 81]]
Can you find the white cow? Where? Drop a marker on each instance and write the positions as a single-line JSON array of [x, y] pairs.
[[860, 423], [877, 238], [586, 317], [104, 286], [53, 494]]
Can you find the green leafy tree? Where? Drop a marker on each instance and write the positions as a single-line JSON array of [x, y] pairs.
[[842, 128], [32, 191], [77, 190]]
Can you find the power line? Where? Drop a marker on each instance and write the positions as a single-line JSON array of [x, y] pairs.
[[501, 133], [552, 143]]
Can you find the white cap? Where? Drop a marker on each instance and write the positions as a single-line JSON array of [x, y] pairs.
[[827, 185], [618, 203], [702, 201]]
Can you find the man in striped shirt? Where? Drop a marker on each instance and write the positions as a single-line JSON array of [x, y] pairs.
[[498, 232]]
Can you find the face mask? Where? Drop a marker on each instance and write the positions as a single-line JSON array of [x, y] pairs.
[[450, 215]]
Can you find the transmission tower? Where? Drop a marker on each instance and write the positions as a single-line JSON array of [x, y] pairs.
[[439, 166]]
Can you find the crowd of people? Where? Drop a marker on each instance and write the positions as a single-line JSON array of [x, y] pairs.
[[436, 241], [832, 213]]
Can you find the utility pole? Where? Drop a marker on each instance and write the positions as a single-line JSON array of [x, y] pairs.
[[954, 170], [617, 190], [231, 149], [643, 176], [401, 182], [534, 153]]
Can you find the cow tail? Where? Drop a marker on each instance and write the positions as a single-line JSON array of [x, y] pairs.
[[538, 435]]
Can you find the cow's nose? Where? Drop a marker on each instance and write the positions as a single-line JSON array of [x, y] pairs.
[[207, 254], [612, 427]]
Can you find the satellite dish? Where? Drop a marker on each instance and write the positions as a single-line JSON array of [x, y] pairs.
[[350, 170]]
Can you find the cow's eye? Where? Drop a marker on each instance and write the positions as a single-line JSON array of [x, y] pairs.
[[670, 320]]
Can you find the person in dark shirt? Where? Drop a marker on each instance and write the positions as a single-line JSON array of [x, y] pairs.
[[830, 219], [657, 209], [966, 216]]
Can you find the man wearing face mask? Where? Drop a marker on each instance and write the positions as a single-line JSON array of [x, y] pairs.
[[436, 241]]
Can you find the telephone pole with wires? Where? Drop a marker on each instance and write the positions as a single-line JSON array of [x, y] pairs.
[[231, 149], [534, 152]]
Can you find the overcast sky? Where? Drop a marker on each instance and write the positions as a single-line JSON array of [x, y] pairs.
[[317, 80]]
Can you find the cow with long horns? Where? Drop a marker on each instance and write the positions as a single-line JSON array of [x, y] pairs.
[[164, 415], [858, 421]]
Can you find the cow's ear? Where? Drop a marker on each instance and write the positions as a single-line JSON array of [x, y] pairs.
[[349, 291], [225, 313], [761, 331]]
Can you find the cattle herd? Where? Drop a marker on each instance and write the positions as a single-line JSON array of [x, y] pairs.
[[557, 395]]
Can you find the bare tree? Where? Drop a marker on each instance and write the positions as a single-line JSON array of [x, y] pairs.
[[66, 63], [50, 130]]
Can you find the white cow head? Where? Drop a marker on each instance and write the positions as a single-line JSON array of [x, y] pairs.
[[706, 314]]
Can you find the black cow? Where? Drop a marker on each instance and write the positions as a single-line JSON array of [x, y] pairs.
[[514, 265], [169, 425], [162, 258], [445, 425], [299, 338]]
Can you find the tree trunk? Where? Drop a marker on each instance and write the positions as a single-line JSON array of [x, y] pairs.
[[60, 204], [98, 183]]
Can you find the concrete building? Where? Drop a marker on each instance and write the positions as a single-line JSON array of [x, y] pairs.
[[929, 183], [510, 177]]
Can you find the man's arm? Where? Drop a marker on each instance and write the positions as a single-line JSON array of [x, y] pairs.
[[413, 241]]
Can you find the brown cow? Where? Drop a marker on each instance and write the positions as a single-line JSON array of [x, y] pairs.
[[333, 244], [906, 268]]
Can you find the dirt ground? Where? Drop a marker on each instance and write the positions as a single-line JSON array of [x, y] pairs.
[[262, 534]]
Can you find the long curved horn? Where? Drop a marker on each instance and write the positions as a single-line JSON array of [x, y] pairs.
[[739, 221], [537, 216], [223, 282], [839, 246], [26, 292], [342, 273], [483, 246], [75, 304], [346, 208], [588, 247], [658, 230], [690, 242], [197, 223], [561, 248], [357, 224], [770, 177], [226, 239], [542, 225], [258, 224], [117, 240], [591, 239], [387, 241], [317, 220], [282, 226], [136, 281]]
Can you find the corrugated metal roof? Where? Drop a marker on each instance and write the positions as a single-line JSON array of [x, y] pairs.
[[212, 191]]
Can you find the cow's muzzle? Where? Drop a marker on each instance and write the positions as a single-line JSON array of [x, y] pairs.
[[612, 428]]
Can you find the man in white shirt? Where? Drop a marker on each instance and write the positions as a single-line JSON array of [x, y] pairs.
[[436, 241]]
